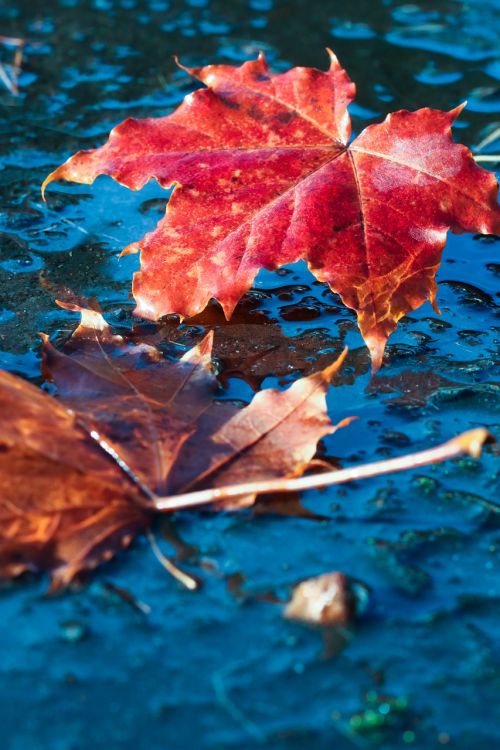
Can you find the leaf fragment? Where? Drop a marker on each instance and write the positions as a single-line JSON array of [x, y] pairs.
[[326, 600]]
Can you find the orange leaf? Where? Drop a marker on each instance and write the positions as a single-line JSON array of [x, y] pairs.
[[79, 474], [132, 433]]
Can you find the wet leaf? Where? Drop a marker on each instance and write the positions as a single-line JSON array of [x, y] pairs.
[[132, 433], [328, 599], [78, 473], [264, 175]]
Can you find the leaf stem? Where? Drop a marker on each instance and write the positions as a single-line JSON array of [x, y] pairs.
[[470, 442]]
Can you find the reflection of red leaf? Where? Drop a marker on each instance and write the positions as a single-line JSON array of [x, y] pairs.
[[265, 177], [252, 348], [416, 388]]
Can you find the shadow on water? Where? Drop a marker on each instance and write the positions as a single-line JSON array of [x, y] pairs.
[[221, 668]]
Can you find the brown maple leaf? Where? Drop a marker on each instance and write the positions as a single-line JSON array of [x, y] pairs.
[[131, 433], [79, 474], [265, 175]]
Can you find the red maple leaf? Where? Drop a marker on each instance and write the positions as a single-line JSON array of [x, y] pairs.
[[264, 176]]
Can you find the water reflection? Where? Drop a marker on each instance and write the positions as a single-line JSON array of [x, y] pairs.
[[426, 545]]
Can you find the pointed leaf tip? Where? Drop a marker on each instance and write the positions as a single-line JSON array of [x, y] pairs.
[[202, 352], [90, 320], [53, 176], [334, 61], [43, 187], [376, 346], [457, 111], [329, 372]]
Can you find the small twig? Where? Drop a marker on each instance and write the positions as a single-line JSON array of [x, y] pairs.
[[490, 138], [9, 84], [75, 226], [487, 157], [12, 41], [469, 442], [188, 581], [84, 231], [230, 707], [142, 607], [16, 68]]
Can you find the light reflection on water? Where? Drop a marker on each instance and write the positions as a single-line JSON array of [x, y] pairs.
[[425, 544]]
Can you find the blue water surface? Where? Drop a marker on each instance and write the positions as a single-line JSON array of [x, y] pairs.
[[220, 668]]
